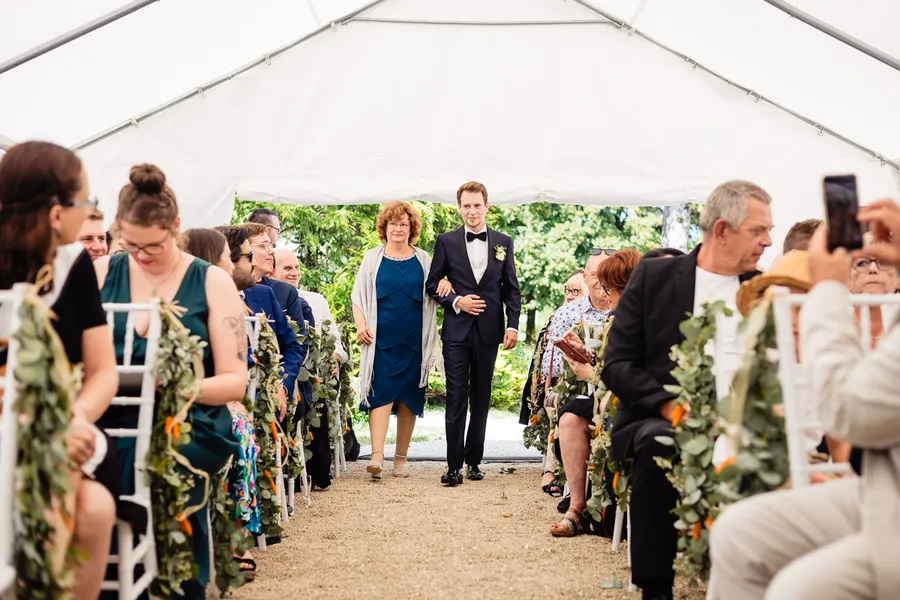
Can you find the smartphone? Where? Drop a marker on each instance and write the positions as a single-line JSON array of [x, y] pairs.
[[841, 207]]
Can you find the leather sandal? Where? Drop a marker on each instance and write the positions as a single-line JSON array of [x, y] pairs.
[[401, 472], [572, 524], [552, 489], [375, 468]]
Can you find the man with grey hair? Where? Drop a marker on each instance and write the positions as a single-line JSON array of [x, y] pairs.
[[736, 223]]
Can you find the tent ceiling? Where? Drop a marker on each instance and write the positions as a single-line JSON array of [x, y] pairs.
[[373, 110]]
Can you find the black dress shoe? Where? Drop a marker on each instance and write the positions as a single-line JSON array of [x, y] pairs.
[[452, 477], [474, 473]]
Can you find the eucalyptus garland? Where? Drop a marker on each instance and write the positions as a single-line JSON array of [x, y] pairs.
[[46, 386], [179, 373], [293, 466], [537, 431], [326, 374], [266, 427], [228, 539], [309, 371], [346, 395], [761, 464], [693, 474]]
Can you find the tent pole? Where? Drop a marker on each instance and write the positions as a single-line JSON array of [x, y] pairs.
[[836, 33], [74, 34]]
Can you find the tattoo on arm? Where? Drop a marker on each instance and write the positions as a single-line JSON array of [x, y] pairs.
[[240, 334]]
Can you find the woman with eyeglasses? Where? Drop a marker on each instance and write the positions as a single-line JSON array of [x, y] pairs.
[[44, 199], [396, 324], [535, 382], [154, 266]]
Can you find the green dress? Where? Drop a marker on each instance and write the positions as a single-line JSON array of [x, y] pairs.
[[212, 441]]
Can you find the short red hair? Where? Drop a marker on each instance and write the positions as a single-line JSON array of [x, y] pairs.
[[394, 211], [615, 271]]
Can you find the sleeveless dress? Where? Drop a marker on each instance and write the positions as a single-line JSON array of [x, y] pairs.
[[398, 340], [213, 441]]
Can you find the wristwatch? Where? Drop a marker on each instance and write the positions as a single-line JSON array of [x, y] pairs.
[[593, 359]]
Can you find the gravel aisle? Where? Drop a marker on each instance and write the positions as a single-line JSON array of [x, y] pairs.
[[413, 538]]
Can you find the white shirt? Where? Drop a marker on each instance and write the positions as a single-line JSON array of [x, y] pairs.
[[708, 288], [478, 254], [321, 313]]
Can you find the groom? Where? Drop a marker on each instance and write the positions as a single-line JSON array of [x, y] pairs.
[[479, 263]]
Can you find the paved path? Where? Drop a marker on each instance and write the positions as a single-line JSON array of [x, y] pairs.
[[503, 439]]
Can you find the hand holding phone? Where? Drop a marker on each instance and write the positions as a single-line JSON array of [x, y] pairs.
[[841, 208]]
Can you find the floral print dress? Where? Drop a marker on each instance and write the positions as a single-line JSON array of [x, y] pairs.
[[242, 478]]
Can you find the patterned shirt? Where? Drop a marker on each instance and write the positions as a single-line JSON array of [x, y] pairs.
[[566, 317]]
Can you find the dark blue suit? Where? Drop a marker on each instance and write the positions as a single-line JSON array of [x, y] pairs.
[[298, 310], [319, 466], [471, 343], [260, 298]]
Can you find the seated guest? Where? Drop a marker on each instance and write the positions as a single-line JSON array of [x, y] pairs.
[[575, 416], [287, 269], [92, 236], [212, 246], [833, 540], [319, 466], [153, 266], [261, 298], [268, 218], [662, 253], [735, 222], [534, 392], [799, 234], [44, 200]]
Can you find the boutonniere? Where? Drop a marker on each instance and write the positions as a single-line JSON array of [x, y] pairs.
[[500, 252]]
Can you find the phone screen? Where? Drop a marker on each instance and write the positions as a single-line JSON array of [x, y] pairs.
[[841, 207]]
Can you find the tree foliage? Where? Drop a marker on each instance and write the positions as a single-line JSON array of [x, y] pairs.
[[551, 242]]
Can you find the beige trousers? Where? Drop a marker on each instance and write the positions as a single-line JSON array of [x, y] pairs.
[[801, 544]]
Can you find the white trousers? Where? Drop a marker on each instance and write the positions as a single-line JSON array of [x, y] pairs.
[[803, 544]]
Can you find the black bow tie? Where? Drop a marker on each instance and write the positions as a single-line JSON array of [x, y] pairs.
[[476, 236]]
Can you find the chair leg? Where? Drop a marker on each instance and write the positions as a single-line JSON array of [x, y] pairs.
[[126, 560], [631, 586], [290, 495], [617, 529], [279, 482]]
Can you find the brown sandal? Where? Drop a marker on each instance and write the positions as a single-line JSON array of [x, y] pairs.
[[572, 524]]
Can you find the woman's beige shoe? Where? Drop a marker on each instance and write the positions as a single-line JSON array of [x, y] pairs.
[[401, 472], [375, 468]]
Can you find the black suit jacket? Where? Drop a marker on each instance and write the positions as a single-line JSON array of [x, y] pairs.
[[659, 296], [498, 287]]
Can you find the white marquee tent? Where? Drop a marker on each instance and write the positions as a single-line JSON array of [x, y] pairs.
[[336, 101]]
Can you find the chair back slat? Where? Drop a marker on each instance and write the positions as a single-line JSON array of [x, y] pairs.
[[128, 348], [9, 442], [797, 390]]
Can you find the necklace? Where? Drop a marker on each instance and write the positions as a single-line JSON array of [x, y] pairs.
[[164, 279]]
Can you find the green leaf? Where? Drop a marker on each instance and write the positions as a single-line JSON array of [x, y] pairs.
[[696, 446]]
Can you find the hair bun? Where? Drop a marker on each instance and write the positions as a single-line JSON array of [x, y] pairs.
[[148, 179]]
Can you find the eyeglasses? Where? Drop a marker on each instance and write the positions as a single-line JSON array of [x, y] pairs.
[[398, 225], [151, 249], [599, 251], [277, 229], [573, 291], [863, 264], [249, 256], [92, 202], [265, 246]]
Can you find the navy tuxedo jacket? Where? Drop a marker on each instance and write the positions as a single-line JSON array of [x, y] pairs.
[[261, 298], [498, 287]]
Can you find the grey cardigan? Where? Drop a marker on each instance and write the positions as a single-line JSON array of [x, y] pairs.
[[365, 299]]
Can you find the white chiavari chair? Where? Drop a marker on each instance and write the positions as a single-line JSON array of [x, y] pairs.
[[11, 299], [144, 551], [794, 386]]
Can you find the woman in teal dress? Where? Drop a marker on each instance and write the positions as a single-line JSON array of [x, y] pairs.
[[396, 324], [154, 266]]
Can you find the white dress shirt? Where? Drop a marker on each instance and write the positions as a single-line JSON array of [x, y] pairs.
[[478, 254]]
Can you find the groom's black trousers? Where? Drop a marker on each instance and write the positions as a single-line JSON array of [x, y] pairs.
[[469, 367]]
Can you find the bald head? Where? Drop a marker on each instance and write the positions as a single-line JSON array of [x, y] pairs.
[[287, 267]]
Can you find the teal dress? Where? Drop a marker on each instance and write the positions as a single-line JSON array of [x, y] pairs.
[[212, 441], [398, 341]]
